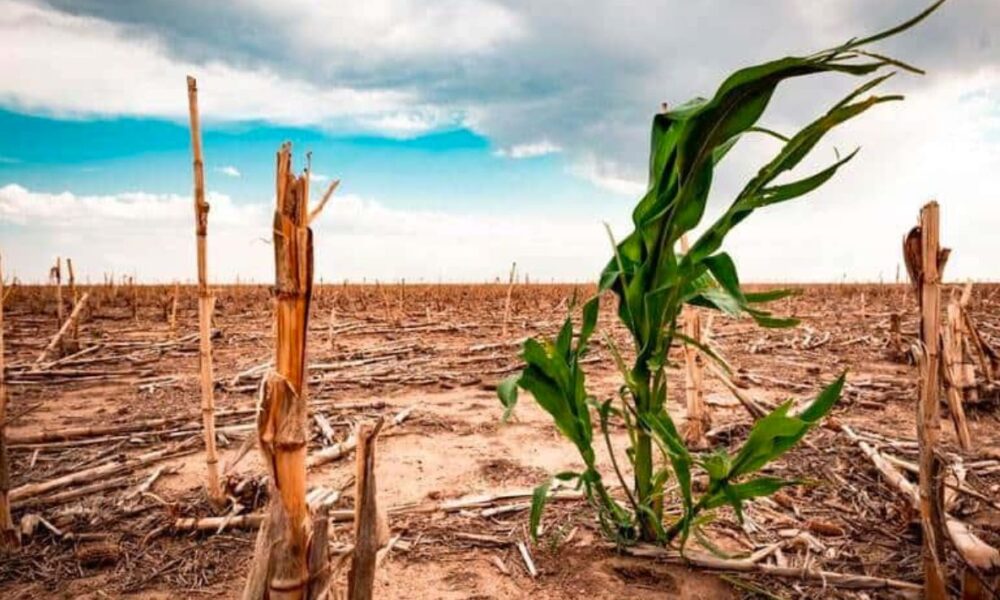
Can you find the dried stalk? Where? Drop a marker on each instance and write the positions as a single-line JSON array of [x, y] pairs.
[[506, 304], [955, 376], [62, 434], [326, 198], [361, 578], [67, 326], [924, 261], [8, 534], [104, 471], [257, 581], [342, 449], [75, 334], [974, 551], [319, 556], [282, 411], [698, 419], [206, 304], [826, 578], [173, 311], [56, 274]]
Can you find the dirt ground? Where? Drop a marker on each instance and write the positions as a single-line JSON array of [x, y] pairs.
[[438, 351]]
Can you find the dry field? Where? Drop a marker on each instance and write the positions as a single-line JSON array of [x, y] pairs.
[[106, 446]]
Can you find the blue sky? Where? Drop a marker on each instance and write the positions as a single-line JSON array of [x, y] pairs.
[[467, 134], [451, 169]]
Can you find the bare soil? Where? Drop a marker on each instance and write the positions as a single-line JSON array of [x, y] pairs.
[[377, 350]]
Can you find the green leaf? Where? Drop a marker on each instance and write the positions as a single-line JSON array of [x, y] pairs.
[[724, 270], [565, 338], [781, 193], [538, 499], [590, 312], [716, 465], [760, 486], [898, 28], [653, 283], [824, 402], [706, 350], [770, 295], [777, 432], [507, 392], [764, 319]]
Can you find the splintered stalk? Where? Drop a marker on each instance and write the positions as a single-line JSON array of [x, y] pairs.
[[281, 417], [206, 304]]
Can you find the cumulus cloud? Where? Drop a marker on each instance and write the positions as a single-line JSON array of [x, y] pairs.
[[608, 176], [356, 238], [529, 150], [113, 70], [229, 171], [585, 80]]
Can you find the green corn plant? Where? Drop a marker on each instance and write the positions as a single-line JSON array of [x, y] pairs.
[[653, 282]]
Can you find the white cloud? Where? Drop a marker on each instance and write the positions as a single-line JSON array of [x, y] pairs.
[[940, 143], [381, 28], [112, 71], [607, 176], [229, 170], [153, 236], [66, 210], [318, 177], [530, 150]]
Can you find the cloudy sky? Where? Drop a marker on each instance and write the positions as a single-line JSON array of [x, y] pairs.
[[469, 133]]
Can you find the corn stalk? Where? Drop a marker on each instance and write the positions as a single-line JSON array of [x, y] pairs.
[[206, 304], [282, 412], [653, 281]]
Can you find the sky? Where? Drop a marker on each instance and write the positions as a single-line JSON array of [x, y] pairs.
[[470, 134]]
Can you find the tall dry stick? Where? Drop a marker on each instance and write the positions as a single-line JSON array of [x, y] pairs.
[[173, 310], [8, 535], [206, 304], [506, 304], [135, 299], [281, 417], [56, 274], [75, 333], [924, 261]]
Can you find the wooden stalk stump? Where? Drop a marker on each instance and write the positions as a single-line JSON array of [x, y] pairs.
[[367, 526], [925, 260], [283, 556]]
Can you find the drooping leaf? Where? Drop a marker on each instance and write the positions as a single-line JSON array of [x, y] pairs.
[[538, 499], [507, 392], [777, 432]]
